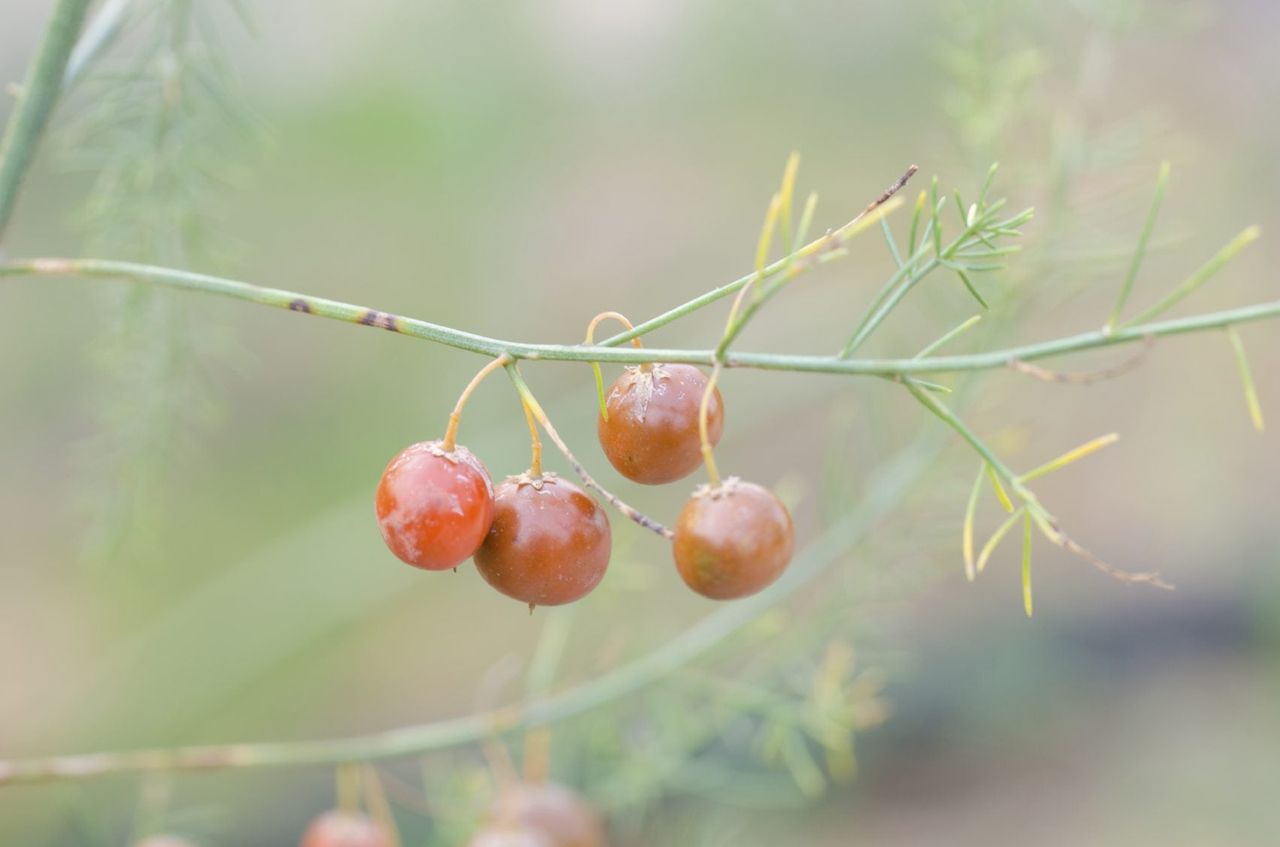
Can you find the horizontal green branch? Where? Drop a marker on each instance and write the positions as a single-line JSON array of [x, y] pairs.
[[485, 345]]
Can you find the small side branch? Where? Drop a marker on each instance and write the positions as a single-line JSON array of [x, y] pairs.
[[1030, 504], [1085, 377], [1152, 578], [822, 249]]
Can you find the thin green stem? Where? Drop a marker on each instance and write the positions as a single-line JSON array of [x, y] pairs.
[[886, 491], [950, 419], [486, 346], [908, 270], [36, 100], [898, 287]]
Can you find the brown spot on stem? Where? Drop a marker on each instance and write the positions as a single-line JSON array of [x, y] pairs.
[[383, 319], [299, 305]]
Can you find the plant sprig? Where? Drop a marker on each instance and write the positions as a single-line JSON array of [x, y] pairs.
[[978, 249]]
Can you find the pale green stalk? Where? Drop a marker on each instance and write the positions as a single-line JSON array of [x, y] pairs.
[[605, 352], [36, 99]]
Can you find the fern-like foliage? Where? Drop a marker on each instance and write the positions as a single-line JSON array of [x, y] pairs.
[[151, 133]]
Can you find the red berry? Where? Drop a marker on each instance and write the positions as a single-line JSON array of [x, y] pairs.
[[732, 539], [562, 815], [345, 829], [434, 506], [651, 433], [549, 543]]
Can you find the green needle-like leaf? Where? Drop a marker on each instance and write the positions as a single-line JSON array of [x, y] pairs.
[[889, 240], [964, 277], [1246, 378], [1161, 180], [947, 337], [997, 537], [998, 487], [915, 220], [787, 192], [1200, 277], [1070, 456], [1026, 562], [967, 534], [806, 221], [766, 234]]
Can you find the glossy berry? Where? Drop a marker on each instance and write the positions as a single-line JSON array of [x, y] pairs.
[[651, 433], [345, 829], [557, 812], [549, 543], [434, 506], [732, 539]]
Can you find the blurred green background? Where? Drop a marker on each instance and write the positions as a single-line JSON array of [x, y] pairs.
[[512, 169]]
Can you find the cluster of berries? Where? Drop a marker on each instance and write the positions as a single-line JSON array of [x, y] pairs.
[[542, 540]]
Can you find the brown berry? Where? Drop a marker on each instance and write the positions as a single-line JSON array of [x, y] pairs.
[[336, 828], [554, 810], [434, 505], [549, 543], [651, 432], [732, 539]]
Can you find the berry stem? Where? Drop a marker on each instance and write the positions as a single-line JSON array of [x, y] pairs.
[[455, 417], [537, 754], [535, 456], [347, 787], [708, 454], [375, 799], [534, 408], [595, 366], [617, 316]]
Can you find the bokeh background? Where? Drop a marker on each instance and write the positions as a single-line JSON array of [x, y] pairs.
[[187, 551]]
